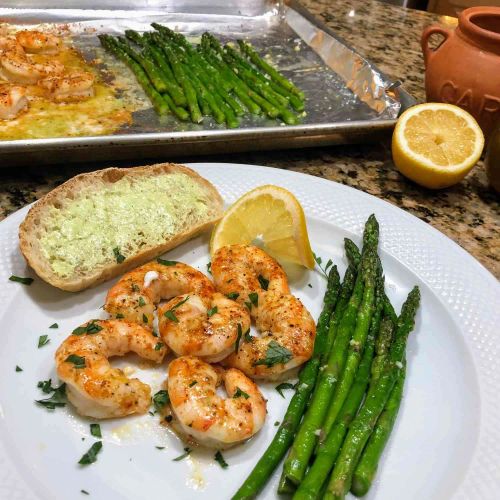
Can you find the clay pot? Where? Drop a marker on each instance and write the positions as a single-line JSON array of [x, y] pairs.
[[465, 69]]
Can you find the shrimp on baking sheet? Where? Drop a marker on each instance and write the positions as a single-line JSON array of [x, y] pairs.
[[196, 321], [19, 68], [38, 42], [246, 271], [201, 414], [13, 101], [75, 86], [93, 386], [190, 326], [287, 329]]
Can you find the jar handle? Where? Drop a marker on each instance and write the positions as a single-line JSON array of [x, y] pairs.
[[427, 33]]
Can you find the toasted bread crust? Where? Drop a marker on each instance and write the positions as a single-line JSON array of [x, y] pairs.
[[30, 246]]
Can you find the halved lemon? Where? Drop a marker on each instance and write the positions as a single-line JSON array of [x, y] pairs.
[[270, 217], [436, 144]]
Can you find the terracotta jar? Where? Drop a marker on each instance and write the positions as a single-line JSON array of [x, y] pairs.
[[465, 69]]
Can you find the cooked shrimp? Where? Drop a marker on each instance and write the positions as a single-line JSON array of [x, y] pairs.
[[95, 388], [73, 87], [286, 341], [13, 101], [19, 68], [135, 295], [190, 326], [205, 416], [36, 42], [10, 44], [286, 327], [241, 270]]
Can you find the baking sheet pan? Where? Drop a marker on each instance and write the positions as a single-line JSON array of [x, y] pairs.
[[348, 99]]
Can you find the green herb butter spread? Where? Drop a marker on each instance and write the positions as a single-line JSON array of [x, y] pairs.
[[130, 214]]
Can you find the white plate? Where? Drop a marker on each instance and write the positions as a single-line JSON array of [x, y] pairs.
[[447, 439]]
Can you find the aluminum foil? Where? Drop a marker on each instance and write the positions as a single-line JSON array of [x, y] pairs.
[[341, 87]]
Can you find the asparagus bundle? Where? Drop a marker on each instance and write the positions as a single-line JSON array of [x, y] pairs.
[[205, 80], [359, 356]]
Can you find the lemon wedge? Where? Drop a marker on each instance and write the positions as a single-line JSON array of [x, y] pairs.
[[271, 218], [436, 144]]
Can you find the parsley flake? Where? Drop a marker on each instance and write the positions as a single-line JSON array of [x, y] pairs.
[[319, 261], [209, 268], [78, 361], [220, 459], [239, 393], [254, 298], [186, 453], [264, 284], [247, 336], [233, 295], [309, 285], [46, 386], [43, 340], [118, 256], [193, 383], [19, 279], [18, 369], [275, 354], [144, 318], [170, 313], [142, 302], [160, 399], [54, 325], [119, 316], [158, 346], [212, 311], [135, 288], [90, 328], [85, 492], [164, 262], [91, 456], [95, 430], [238, 338], [160, 447], [58, 399], [285, 385]]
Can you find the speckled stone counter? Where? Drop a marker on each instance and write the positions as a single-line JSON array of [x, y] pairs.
[[469, 213]]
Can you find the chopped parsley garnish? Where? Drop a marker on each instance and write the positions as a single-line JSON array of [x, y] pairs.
[[186, 453], [144, 318], [220, 459], [164, 262], [19, 279], [46, 386], [91, 456], [158, 346], [135, 288], [43, 340], [275, 354], [170, 313], [154, 334], [58, 398], [193, 383], [90, 328], [118, 256], [276, 423], [285, 385], [247, 336], [85, 492], [54, 325], [78, 361], [254, 298], [238, 338], [233, 295], [160, 399], [160, 447], [319, 261], [95, 430], [18, 369], [119, 316], [309, 285], [263, 282], [209, 268], [212, 311], [239, 393], [248, 305], [142, 302]]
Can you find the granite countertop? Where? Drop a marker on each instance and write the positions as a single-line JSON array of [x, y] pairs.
[[468, 213]]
